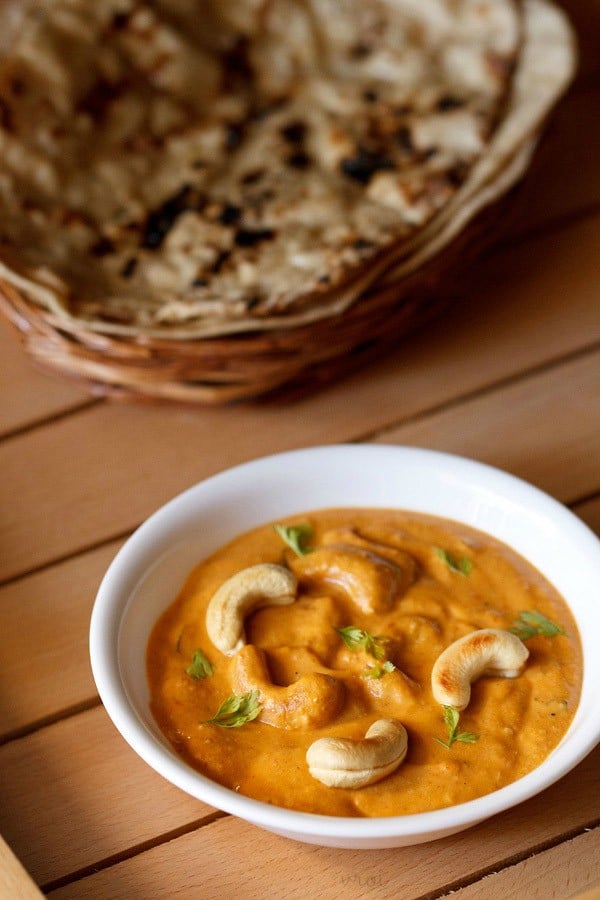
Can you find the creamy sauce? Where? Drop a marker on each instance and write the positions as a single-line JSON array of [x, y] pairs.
[[420, 609]]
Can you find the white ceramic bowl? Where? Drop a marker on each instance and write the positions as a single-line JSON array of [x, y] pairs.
[[151, 567]]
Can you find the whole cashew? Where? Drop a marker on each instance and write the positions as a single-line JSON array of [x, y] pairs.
[[489, 651], [372, 582], [311, 702], [346, 763], [263, 585]]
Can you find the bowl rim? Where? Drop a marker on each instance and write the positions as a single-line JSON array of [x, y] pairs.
[[113, 596]]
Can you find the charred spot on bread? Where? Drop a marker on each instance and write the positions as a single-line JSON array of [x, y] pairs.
[[365, 164], [161, 220], [248, 237]]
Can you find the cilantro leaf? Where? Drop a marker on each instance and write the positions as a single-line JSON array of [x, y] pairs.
[[357, 639], [461, 565], [531, 622], [451, 719], [379, 669], [237, 710], [200, 666], [296, 536], [467, 737]]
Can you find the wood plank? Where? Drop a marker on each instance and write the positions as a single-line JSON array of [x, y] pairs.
[[563, 179], [97, 474], [45, 621], [589, 511], [592, 894], [74, 793], [28, 394], [569, 868], [14, 880], [585, 18], [551, 420], [220, 857]]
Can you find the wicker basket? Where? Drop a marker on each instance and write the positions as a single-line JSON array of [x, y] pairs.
[[220, 370]]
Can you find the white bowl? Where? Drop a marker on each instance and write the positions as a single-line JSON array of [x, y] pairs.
[[151, 567]]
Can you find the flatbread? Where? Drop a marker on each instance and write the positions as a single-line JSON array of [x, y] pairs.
[[190, 169]]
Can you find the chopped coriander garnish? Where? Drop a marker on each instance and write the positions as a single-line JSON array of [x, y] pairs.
[[379, 669], [462, 565], [237, 710], [296, 536], [451, 717], [200, 667], [531, 622], [357, 639]]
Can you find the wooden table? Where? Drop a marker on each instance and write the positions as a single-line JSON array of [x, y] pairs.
[[509, 375]]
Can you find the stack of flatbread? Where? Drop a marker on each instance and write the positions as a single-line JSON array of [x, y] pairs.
[[206, 200]]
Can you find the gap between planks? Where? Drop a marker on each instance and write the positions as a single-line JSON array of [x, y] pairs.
[[131, 852], [65, 557], [51, 418], [68, 712], [499, 865], [491, 387], [401, 877], [508, 863]]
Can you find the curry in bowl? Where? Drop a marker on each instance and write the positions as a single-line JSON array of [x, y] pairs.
[[365, 662]]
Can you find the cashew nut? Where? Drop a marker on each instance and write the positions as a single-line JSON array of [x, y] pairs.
[[372, 582], [394, 554], [262, 585], [347, 763], [311, 702], [489, 651]]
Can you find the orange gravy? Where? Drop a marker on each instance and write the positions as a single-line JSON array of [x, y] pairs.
[[453, 580]]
